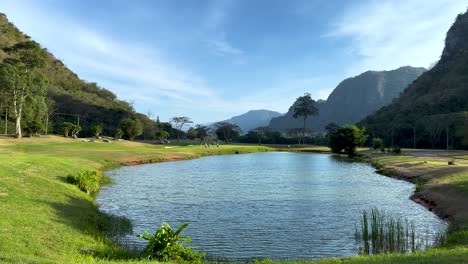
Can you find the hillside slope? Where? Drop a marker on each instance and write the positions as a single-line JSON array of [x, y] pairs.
[[437, 100], [68, 94], [355, 98]]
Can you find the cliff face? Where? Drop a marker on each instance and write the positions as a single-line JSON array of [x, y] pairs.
[[355, 98], [442, 90]]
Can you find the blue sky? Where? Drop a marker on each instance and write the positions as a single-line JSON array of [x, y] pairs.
[[210, 60]]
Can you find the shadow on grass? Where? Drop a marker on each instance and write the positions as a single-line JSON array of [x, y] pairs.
[[84, 216]]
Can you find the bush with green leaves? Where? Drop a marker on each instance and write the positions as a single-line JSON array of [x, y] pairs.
[[378, 144], [88, 181], [396, 150], [347, 139], [168, 245], [96, 130]]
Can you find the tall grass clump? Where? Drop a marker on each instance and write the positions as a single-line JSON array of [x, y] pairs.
[[378, 232], [168, 245], [88, 181]]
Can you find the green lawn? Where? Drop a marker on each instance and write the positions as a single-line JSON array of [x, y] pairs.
[[43, 219]]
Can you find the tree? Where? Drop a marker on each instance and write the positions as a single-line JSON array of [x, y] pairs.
[[305, 106], [132, 127], [347, 138], [202, 132], [260, 133], [119, 133], [378, 143], [227, 131], [66, 128], [19, 76], [96, 130], [34, 127], [161, 134], [51, 108], [295, 133], [179, 122], [75, 129]]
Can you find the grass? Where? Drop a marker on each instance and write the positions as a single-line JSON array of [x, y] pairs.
[[44, 219]]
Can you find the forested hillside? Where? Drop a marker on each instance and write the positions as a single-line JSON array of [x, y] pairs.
[[354, 98], [432, 110], [68, 98]]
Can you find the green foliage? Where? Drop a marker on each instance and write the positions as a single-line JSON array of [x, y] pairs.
[[66, 128], [379, 233], [88, 181], [305, 106], [179, 122], [34, 127], [119, 133], [227, 132], [378, 144], [131, 127], [96, 130], [347, 139], [437, 100], [396, 150], [168, 245]]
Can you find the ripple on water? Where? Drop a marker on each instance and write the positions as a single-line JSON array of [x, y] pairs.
[[275, 205]]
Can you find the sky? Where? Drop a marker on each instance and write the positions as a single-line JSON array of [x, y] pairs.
[[211, 60]]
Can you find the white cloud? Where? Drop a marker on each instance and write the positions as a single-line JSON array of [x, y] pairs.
[[216, 35], [388, 34]]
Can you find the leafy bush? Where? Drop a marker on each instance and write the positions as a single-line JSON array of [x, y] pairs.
[[88, 181], [347, 138], [396, 150], [166, 245], [378, 144]]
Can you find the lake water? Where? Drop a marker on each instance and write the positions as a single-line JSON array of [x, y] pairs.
[[278, 205]]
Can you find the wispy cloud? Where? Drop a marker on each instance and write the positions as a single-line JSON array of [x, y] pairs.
[[387, 34], [215, 32]]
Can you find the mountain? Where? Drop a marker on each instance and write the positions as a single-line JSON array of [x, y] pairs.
[[253, 119], [70, 96], [354, 98], [436, 101]]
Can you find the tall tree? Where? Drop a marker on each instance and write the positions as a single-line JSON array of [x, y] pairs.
[[131, 127], [305, 107], [179, 122], [19, 76], [260, 133], [227, 131]]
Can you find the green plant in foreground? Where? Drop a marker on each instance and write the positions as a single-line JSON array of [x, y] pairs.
[[168, 245], [379, 232], [88, 181]]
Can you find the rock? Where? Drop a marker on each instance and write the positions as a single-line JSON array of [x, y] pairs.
[[107, 140]]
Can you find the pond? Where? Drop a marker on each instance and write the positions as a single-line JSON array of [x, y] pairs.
[[275, 205]]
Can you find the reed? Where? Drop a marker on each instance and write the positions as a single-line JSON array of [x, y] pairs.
[[378, 232]]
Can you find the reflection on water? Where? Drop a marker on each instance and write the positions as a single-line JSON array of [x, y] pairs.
[[274, 205]]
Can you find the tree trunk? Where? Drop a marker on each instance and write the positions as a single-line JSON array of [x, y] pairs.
[[18, 126], [303, 130]]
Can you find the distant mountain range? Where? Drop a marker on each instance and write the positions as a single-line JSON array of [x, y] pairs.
[[354, 99], [252, 119]]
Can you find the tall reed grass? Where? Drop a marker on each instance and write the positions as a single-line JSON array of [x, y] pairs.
[[379, 232]]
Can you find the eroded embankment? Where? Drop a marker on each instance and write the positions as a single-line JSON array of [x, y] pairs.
[[439, 186]]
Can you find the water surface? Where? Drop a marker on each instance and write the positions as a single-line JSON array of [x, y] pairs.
[[278, 205]]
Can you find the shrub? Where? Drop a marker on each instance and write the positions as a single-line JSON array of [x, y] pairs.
[[166, 245], [378, 144], [88, 181], [396, 150]]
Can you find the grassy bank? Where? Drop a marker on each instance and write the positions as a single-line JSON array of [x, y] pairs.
[[44, 219]]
